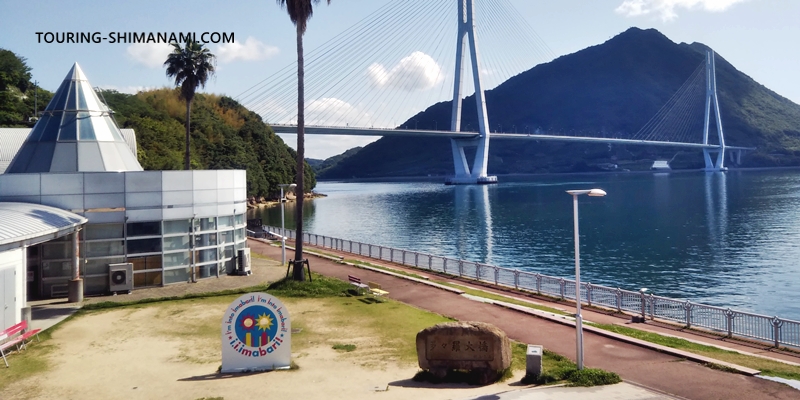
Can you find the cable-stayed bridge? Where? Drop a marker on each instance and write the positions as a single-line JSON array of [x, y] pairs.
[[394, 62]]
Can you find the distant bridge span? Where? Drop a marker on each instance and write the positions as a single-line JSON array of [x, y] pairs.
[[338, 130]]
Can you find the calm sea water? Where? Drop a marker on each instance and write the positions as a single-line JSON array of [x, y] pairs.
[[728, 239]]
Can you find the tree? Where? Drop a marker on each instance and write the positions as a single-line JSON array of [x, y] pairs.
[[299, 13], [191, 66]]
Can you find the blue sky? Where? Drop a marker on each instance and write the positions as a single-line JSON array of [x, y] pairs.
[[757, 36]]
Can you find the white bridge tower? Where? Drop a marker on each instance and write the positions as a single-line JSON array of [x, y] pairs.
[[711, 100], [463, 176]]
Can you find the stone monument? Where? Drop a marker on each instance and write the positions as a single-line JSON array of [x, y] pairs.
[[475, 347]]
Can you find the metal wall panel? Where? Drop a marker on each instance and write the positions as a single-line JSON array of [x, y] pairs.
[[145, 181], [177, 213], [205, 211], [225, 195], [66, 202], [240, 194], [150, 214], [62, 184], [177, 198], [204, 196], [35, 199], [176, 180], [89, 158], [20, 184], [105, 217], [240, 208], [240, 178], [225, 179], [146, 199], [111, 156], [105, 200], [205, 179], [225, 209], [104, 182]]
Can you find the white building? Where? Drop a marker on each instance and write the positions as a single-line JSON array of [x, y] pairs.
[[172, 226]]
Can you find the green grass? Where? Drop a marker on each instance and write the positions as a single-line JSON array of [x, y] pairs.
[[767, 367], [344, 347], [559, 369]]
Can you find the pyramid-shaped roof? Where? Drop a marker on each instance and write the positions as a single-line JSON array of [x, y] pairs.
[[74, 134]]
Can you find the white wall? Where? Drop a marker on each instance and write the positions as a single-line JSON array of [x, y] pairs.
[[12, 281]]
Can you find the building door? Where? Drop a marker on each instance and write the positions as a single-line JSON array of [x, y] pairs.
[[9, 260]]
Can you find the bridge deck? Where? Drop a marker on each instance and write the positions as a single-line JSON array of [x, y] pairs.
[[338, 130]]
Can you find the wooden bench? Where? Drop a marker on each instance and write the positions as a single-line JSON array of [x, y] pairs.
[[14, 336], [376, 289], [356, 281]]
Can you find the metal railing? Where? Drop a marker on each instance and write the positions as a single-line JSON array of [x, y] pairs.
[[775, 330]]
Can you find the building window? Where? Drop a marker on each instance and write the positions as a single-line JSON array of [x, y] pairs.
[[178, 226], [176, 275], [205, 240], [201, 256], [205, 224], [144, 229], [176, 259], [103, 249], [176, 243], [103, 231], [144, 246], [225, 222]]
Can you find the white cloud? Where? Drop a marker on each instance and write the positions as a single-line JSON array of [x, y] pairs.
[[416, 72], [329, 111], [252, 49], [151, 55], [665, 9]]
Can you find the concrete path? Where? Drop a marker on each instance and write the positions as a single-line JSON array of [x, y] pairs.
[[643, 366]]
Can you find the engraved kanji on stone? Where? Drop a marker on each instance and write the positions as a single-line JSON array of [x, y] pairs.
[[469, 346], [456, 345], [483, 346]]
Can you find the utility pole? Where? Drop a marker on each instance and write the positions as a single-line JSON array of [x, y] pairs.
[[35, 99]]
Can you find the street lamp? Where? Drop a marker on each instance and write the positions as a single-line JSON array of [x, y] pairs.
[[578, 320], [283, 230]]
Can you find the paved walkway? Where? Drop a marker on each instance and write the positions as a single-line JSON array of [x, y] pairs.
[[648, 374], [645, 367]]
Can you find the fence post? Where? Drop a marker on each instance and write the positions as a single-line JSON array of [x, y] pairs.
[[644, 305], [729, 314], [538, 283], [461, 269], [563, 284], [496, 274], [404, 257], [359, 249], [416, 259], [776, 326], [351, 247], [391, 254], [430, 262], [516, 279], [652, 306], [688, 309], [618, 294], [589, 294]]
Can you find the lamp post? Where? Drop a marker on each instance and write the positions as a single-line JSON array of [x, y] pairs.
[[578, 318], [283, 230]]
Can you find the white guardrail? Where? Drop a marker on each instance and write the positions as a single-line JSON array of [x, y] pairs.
[[779, 331]]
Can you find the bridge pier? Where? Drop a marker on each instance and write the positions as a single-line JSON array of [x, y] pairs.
[[467, 36], [712, 101]]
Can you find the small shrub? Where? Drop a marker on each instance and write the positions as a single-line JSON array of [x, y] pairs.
[[344, 347], [593, 377]]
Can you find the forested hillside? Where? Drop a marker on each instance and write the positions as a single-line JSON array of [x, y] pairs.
[[18, 94], [611, 89], [224, 135]]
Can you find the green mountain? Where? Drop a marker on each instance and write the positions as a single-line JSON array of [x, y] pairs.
[[19, 96], [610, 89], [320, 166], [225, 135]]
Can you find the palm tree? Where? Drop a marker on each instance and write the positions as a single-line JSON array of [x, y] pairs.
[[191, 66], [299, 13]]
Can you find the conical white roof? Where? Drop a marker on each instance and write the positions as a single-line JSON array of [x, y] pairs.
[[74, 134]]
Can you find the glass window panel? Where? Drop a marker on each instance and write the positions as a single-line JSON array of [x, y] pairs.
[[144, 228], [206, 255], [101, 249], [226, 237], [176, 275], [206, 239], [240, 235], [56, 250], [85, 127], [103, 231], [176, 243], [176, 259], [81, 99], [179, 226], [143, 263], [56, 269], [57, 103], [95, 285], [206, 224], [69, 127], [72, 101], [97, 267], [207, 271], [144, 245], [145, 279], [240, 219], [228, 252], [225, 222], [50, 132]]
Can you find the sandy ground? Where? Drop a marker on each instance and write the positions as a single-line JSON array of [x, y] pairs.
[[173, 350]]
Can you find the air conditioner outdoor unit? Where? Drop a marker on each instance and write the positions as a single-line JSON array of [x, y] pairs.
[[120, 277], [243, 262]]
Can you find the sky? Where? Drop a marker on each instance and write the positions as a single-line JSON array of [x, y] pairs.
[[759, 37]]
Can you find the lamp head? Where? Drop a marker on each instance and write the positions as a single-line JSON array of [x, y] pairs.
[[590, 192]]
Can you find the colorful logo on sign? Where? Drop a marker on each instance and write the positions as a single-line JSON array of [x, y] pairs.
[[255, 326]]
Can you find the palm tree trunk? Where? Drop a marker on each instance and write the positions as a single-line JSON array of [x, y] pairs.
[[186, 157], [297, 271]]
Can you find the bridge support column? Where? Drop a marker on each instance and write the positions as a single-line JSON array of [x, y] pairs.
[[466, 35], [712, 101]]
